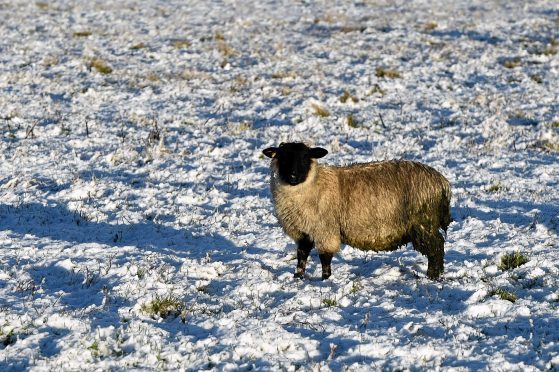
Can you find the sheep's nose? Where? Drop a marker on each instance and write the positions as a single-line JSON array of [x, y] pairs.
[[292, 177]]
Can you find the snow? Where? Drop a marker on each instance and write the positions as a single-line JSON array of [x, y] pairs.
[[148, 182]]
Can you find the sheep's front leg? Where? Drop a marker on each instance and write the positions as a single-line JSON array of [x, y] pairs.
[[326, 261], [304, 246]]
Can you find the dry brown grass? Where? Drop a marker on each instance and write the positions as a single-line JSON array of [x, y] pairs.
[[320, 110], [387, 73], [100, 66]]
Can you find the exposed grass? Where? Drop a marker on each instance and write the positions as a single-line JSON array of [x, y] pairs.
[[50, 61], [504, 294], [347, 96], [181, 44], [429, 26], [351, 121], [152, 77], [100, 66], [82, 33], [240, 82], [377, 89], [94, 347], [164, 307], [330, 302], [387, 73], [64, 130], [537, 78], [550, 146], [138, 46], [356, 287], [512, 260], [521, 118], [319, 110], [348, 29], [551, 48], [224, 48], [219, 36], [512, 62], [554, 124], [283, 75], [239, 127], [496, 187]]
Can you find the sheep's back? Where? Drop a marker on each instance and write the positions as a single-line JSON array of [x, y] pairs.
[[383, 201]]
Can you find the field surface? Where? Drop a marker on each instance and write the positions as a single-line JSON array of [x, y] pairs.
[[136, 227]]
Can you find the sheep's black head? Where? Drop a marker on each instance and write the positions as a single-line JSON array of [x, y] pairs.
[[294, 160]]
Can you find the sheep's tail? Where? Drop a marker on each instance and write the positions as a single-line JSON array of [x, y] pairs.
[[445, 217]]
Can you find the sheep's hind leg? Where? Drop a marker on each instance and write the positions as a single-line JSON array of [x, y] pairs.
[[304, 246], [435, 266], [431, 245]]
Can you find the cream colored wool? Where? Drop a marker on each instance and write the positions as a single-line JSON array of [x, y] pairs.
[[374, 206]]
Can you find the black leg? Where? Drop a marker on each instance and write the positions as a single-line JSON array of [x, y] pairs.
[[326, 261], [430, 243], [435, 266], [304, 246]]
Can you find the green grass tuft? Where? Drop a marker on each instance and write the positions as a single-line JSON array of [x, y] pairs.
[[513, 260], [356, 287], [94, 346], [164, 307], [330, 302], [504, 294], [496, 187]]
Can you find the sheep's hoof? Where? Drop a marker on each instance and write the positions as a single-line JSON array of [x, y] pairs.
[[325, 276], [299, 275], [434, 273]]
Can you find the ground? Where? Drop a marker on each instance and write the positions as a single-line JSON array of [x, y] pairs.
[[136, 227]]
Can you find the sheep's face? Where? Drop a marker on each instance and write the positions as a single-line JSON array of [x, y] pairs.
[[294, 160]]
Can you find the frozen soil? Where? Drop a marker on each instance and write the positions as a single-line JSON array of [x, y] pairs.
[[131, 172]]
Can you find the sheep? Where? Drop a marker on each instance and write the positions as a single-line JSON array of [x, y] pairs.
[[377, 206]]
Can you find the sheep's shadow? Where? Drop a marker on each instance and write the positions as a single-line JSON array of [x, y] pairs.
[[56, 222], [441, 299], [83, 292]]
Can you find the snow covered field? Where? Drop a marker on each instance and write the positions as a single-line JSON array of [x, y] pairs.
[[131, 176]]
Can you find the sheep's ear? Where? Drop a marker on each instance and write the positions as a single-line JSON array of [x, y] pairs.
[[318, 152], [270, 152]]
